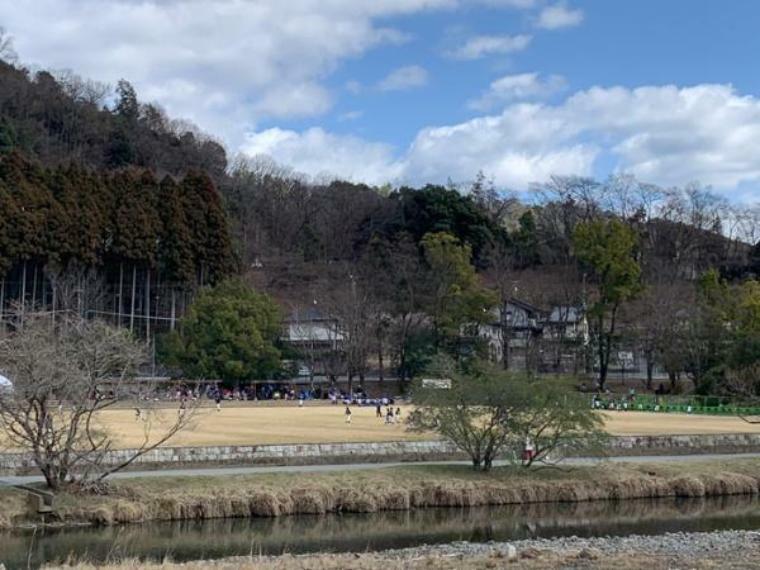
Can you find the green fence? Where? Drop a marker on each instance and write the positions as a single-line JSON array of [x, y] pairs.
[[706, 405]]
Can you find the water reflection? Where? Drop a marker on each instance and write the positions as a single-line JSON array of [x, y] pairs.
[[217, 538]]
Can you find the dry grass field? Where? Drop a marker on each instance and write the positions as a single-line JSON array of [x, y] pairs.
[[254, 424]]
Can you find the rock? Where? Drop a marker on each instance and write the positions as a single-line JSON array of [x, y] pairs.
[[589, 554]]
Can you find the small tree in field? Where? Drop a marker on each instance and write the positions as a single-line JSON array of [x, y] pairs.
[[64, 373], [557, 421], [230, 332], [486, 411]]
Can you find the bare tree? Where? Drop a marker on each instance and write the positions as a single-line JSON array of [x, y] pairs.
[[64, 374], [7, 53]]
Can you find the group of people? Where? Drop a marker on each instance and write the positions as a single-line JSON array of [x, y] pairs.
[[391, 416]]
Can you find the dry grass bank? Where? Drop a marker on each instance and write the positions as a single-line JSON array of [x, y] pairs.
[[403, 488]]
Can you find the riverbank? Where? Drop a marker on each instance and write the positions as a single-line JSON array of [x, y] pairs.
[[724, 549], [391, 489]]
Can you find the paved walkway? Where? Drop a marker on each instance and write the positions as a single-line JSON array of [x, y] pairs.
[[253, 470]]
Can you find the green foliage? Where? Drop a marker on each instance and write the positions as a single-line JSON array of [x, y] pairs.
[[435, 209], [488, 410], [608, 249], [419, 349], [127, 107], [456, 297], [230, 333], [525, 241], [725, 341], [557, 420]]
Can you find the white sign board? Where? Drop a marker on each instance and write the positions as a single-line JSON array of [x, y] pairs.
[[439, 383]]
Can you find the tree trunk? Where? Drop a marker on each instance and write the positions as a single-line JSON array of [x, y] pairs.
[[381, 367], [134, 291], [147, 305], [34, 286], [2, 300], [120, 305], [80, 295], [505, 334], [174, 309], [650, 373], [23, 292], [55, 299]]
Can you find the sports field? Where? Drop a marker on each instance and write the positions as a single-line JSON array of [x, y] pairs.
[[322, 424]]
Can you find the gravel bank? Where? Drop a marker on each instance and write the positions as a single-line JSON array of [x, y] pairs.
[[724, 550]]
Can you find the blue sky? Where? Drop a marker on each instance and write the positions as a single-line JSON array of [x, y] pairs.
[[414, 91]]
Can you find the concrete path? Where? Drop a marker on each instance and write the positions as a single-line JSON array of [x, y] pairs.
[[254, 470]]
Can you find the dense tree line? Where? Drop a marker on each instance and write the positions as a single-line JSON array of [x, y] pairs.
[[629, 255], [131, 232]]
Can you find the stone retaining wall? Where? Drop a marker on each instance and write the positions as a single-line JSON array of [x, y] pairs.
[[322, 453]]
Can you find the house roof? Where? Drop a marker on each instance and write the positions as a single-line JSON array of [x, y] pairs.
[[523, 305], [307, 314], [565, 314]]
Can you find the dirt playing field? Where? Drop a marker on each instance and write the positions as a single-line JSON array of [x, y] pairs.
[[324, 424]]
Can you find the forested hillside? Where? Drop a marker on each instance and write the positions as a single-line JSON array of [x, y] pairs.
[[109, 206], [62, 118]]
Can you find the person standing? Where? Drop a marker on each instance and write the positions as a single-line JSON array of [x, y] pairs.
[[218, 400], [378, 412], [348, 414]]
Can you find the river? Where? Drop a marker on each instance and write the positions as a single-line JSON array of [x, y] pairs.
[[182, 541]]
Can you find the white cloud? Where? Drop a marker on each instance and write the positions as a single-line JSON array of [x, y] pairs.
[[225, 65], [559, 16], [407, 77], [318, 153], [354, 87], [481, 46], [663, 134], [350, 116], [302, 100], [514, 87]]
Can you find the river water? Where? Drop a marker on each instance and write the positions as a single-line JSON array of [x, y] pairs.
[[188, 540]]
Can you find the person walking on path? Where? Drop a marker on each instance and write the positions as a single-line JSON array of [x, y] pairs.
[[348, 414]]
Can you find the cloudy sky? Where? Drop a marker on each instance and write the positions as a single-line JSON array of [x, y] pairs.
[[421, 91]]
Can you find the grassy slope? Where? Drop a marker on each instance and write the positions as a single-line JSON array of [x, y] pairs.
[[394, 489]]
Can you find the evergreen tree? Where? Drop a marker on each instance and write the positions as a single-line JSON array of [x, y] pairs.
[[230, 333], [10, 214], [211, 241], [175, 242]]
